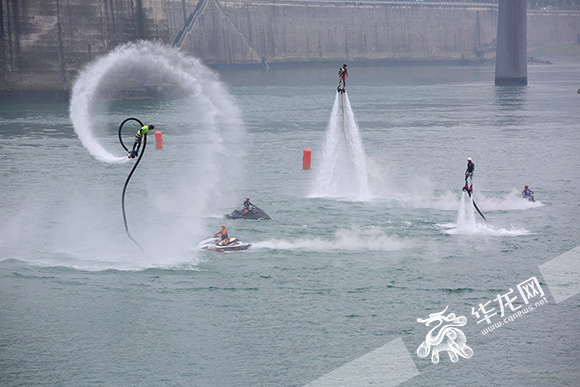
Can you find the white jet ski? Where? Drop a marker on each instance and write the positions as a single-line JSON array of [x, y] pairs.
[[213, 243]]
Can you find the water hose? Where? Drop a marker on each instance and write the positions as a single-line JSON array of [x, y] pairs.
[[131, 174], [475, 205]]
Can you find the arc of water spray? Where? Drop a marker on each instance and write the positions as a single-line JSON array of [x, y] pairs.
[[348, 147], [131, 174]]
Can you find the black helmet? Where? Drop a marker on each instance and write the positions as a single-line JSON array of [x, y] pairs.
[[151, 126], [344, 65]]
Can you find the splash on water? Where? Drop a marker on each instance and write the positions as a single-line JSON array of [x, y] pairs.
[[422, 194], [166, 199], [343, 170], [468, 224], [510, 201]]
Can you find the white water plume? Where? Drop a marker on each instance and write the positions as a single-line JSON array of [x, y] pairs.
[[343, 170], [466, 213], [467, 223], [202, 120]]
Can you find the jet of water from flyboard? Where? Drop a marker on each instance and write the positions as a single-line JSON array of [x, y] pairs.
[[343, 170], [124, 68], [466, 214]]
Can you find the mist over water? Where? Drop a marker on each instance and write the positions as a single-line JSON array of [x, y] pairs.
[[202, 137]]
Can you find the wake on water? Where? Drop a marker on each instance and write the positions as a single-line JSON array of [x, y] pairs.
[[353, 239], [448, 200]]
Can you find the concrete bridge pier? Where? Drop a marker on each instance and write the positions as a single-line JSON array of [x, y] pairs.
[[511, 62]]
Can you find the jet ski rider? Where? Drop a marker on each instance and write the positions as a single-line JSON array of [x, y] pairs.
[[223, 234], [528, 193], [247, 206]]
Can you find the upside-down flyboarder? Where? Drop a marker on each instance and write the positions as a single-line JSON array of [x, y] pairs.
[[138, 138]]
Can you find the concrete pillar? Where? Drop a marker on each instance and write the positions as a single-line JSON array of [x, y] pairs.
[[511, 62]]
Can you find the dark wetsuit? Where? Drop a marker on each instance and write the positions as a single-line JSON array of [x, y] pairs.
[[342, 75], [469, 173], [247, 205]]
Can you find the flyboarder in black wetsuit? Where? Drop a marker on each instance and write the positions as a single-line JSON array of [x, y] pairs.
[[469, 175], [342, 75]]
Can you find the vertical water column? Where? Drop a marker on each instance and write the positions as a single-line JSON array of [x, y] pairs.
[[342, 172], [511, 62], [466, 214]]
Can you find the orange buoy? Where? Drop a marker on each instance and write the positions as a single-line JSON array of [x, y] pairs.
[[158, 140], [306, 158]]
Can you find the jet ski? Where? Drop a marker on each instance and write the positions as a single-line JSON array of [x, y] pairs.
[[212, 244], [254, 213]]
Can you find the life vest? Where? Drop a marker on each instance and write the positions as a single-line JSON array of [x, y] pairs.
[[144, 130]]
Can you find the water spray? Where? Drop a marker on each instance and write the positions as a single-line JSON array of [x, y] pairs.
[[475, 205], [203, 112], [331, 170]]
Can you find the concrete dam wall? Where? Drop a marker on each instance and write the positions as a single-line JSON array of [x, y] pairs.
[[307, 32], [44, 43]]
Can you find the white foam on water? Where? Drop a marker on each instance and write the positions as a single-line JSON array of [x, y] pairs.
[[353, 239], [468, 224], [510, 201]]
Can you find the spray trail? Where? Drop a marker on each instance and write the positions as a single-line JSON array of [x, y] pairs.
[[202, 121], [343, 171], [353, 239], [146, 64]]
